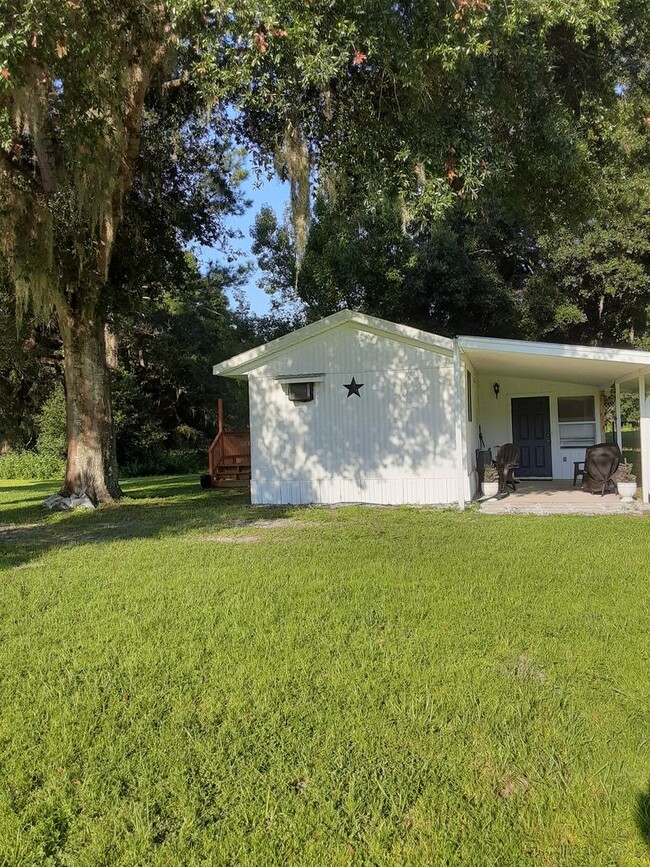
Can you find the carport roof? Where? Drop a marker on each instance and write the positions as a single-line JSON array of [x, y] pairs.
[[557, 362]]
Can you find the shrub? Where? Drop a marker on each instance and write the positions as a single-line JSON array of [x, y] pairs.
[[625, 473], [167, 462], [491, 474], [32, 466], [29, 465], [51, 426]]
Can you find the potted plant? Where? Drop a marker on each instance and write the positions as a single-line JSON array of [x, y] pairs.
[[490, 482], [626, 482]]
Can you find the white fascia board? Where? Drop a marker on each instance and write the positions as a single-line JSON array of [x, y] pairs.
[[242, 364], [404, 333], [300, 377], [633, 374], [557, 350]]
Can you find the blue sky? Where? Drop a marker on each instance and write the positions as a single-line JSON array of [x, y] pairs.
[[260, 191]]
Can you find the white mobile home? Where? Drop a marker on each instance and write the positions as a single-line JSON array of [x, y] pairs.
[[358, 409]]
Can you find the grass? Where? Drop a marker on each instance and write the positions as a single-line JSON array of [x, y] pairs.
[[185, 680]]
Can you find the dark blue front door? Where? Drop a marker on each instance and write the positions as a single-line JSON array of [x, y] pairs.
[[531, 433]]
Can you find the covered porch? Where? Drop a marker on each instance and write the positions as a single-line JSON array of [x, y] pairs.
[[550, 401], [558, 497]]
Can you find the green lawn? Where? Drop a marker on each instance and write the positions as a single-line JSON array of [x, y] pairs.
[[327, 687]]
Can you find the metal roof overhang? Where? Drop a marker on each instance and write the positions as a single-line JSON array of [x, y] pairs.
[[588, 365]]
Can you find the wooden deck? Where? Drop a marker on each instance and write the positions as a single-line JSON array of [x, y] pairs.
[[229, 457]]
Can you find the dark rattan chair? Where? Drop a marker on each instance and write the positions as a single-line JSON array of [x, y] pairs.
[[601, 463], [507, 462]]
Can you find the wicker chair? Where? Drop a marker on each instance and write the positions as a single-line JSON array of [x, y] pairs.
[[601, 463], [507, 462]]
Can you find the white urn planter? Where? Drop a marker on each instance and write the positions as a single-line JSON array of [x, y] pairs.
[[627, 491], [490, 489]]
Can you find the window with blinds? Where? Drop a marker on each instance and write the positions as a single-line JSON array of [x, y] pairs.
[[577, 421]]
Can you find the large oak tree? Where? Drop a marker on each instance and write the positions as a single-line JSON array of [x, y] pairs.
[[75, 78]]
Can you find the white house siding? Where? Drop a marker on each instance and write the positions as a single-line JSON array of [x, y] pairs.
[[395, 444], [496, 414]]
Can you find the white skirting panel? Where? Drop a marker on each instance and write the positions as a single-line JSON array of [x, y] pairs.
[[385, 492]]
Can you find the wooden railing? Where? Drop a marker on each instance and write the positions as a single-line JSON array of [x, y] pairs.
[[228, 449]]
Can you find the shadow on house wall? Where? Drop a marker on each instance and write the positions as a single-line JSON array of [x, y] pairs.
[[398, 433]]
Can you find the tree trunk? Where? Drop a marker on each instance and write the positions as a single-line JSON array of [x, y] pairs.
[[92, 463]]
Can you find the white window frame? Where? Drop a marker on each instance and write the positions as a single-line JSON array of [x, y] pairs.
[[577, 442]]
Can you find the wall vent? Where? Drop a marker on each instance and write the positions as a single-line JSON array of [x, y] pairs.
[[300, 392]]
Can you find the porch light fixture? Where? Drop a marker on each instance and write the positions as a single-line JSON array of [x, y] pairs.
[[496, 388]]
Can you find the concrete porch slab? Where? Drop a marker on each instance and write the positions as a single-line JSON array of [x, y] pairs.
[[559, 498]]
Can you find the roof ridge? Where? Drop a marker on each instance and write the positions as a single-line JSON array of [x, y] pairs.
[[244, 362]]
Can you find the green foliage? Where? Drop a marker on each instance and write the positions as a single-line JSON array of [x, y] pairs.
[[433, 103], [30, 465], [168, 351], [137, 428], [29, 359], [142, 444], [172, 323], [71, 93], [594, 283], [273, 245], [591, 277], [186, 186], [141, 441], [523, 211], [370, 261], [349, 686], [51, 426]]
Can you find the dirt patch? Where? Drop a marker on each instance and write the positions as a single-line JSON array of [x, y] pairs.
[[517, 786], [526, 669], [277, 524], [264, 524], [234, 540]]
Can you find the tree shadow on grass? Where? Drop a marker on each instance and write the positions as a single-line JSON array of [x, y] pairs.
[[643, 815], [164, 486], [27, 500], [152, 508], [25, 494]]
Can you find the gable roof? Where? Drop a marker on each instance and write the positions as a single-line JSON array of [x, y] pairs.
[[245, 362]]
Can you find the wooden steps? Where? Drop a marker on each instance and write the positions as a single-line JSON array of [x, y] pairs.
[[232, 483], [233, 475], [229, 458]]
